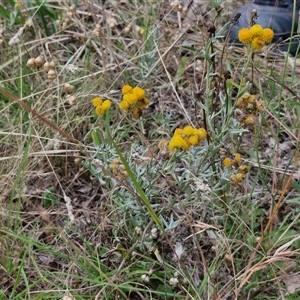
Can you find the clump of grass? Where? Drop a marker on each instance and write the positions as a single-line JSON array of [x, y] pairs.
[[133, 172]]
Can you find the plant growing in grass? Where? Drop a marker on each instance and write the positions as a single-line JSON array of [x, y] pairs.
[[169, 203]]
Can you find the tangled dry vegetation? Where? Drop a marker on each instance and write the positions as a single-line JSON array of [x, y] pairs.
[[99, 207]]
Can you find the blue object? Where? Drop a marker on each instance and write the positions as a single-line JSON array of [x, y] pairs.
[[277, 15]]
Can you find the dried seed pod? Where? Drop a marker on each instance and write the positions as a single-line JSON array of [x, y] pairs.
[[52, 64], [39, 61], [145, 278], [46, 66], [250, 120], [69, 88], [52, 74], [173, 282], [137, 29], [185, 10], [28, 24], [97, 31], [128, 28], [77, 159], [72, 8], [30, 63], [154, 233], [112, 25], [71, 99]]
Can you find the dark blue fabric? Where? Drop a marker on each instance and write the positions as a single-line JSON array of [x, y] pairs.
[[277, 15]]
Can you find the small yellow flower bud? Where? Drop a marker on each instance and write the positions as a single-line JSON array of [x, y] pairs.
[[227, 162]]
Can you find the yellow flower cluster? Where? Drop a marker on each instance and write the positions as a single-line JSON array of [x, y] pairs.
[[227, 162], [242, 170], [256, 36], [118, 169], [240, 175], [101, 106], [187, 137], [249, 105], [134, 100]]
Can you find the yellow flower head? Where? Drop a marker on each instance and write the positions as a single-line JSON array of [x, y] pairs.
[[100, 111], [256, 30], [245, 36], [237, 158], [189, 130], [130, 98], [124, 105], [194, 140], [227, 162], [178, 131], [139, 92], [267, 35], [126, 89], [178, 142], [237, 178], [97, 101], [257, 43], [106, 104], [202, 133], [187, 137]]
